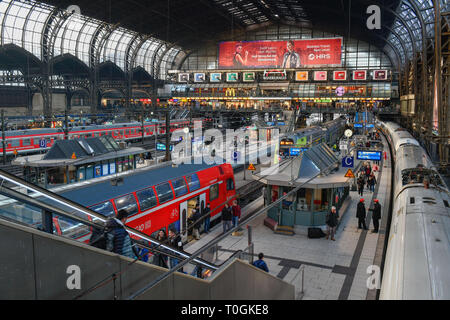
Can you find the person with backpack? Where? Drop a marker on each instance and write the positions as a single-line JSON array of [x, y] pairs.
[[331, 221], [159, 258], [196, 222], [176, 243], [361, 183], [118, 240], [260, 263]]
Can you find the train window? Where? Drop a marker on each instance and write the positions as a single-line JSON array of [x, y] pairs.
[[71, 228], [179, 185], [193, 182], [230, 184], [214, 192], [164, 192], [26, 142], [128, 203], [127, 131], [105, 208], [220, 170], [15, 143], [147, 199]]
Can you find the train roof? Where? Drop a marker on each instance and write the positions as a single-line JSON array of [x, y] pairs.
[[96, 192]]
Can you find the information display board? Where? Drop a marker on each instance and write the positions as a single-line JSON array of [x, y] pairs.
[[368, 155]]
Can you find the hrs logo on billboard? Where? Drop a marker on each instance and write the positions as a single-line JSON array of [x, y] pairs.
[[322, 56]]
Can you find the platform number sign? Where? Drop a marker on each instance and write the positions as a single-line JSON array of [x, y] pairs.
[[43, 143], [347, 162]]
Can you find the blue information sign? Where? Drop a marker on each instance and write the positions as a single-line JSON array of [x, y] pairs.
[[347, 162], [162, 147], [43, 143], [369, 155], [358, 125]]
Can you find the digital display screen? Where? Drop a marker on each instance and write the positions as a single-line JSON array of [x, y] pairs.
[[162, 147], [280, 54], [369, 155]]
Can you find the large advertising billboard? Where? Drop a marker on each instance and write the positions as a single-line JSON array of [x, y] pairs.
[[287, 54]]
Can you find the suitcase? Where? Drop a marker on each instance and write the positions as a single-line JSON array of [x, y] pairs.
[[315, 233]]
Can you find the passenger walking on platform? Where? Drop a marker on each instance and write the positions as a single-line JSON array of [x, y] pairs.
[[207, 212], [372, 181], [160, 259], [260, 263], [361, 183], [226, 218], [175, 242], [361, 214], [118, 240], [376, 215], [236, 213], [331, 221], [196, 222]]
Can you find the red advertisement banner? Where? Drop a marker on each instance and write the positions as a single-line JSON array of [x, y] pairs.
[[380, 75], [289, 54], [359, 75], [340, 75]]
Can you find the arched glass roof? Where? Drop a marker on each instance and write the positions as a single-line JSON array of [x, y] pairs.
[[22, 23]]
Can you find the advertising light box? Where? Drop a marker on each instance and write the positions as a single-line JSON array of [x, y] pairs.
[[368, 155], [287, 54]]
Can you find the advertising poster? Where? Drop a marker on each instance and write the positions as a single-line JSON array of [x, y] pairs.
[[215, 77], [248, 77], [339, 75], [360, 75], [98, 171], [380, 75], [288, 54], [320, 76], [301, 76], [183, 77], [232, 77], [199, 77]]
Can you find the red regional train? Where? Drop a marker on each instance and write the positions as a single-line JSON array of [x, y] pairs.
[[155, 199], [36, 140]]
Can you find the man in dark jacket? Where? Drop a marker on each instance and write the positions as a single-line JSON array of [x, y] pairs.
[[176, 243], [361, 214], [207, 214], [227, 215], [118, 240], [196, 222], [331, 221], [360, 183], [376, 215]]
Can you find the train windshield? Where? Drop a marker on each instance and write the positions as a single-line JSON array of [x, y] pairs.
[[128, 203], [147, 199], [105, 209], [421, 175], [179, 185]]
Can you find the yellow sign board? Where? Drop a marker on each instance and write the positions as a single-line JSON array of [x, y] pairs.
[[349, 174], [15, 152], [74, 156], [251, 167]]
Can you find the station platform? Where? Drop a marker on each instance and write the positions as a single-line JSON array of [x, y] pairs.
[[333, 270]]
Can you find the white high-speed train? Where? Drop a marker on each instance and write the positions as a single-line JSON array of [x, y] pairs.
[[417, 259]]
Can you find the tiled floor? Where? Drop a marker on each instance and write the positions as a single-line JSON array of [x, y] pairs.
[[332, 269]]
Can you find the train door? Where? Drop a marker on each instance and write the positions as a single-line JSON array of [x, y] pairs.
[[202, 201], [183, 221]]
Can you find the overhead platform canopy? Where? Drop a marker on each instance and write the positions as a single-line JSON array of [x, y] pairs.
[[319, 159]]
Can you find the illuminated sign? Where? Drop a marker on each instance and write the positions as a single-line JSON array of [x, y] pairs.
[[286, 54], [340, 75], [360, 75], [199, 77], [248, 77], [368, 155], [183, 77], [274, 75], [320, 76], [162, 147], [380, 74], [232, 77], [215, 77], [301, 76]]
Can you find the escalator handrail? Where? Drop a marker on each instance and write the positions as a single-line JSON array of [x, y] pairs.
[[73, 205]]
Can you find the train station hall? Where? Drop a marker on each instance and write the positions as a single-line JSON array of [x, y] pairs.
[[225, 158]]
